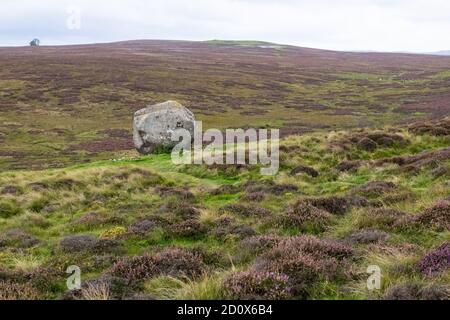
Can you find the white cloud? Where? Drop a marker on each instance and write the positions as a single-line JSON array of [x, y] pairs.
[[414, 25]]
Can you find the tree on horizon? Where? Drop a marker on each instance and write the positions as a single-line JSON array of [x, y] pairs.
[[35, 42]]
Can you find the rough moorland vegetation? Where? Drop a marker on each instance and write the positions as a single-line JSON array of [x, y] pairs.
[[143, 228], [62, 106]]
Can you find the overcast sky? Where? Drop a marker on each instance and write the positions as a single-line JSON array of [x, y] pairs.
[[381, 25]]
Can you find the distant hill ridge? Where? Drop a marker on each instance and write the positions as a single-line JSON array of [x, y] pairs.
[[64, 103]]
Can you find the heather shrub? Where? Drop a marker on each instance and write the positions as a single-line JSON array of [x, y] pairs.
[[102, 261], [259, 244], [437, 217], [78, 243], [146, 225], [414, 291], [94, 219], [367, 144], [90, 219], [257, 196], [435, 127], [359, 201], [7, 274], [268, 186], [304, 216], [391, 198], [181, 194], [135, 268], [83, 243], [64, 183], [10, 290], [256, 245], [142, 226], [45, 279], [13, 190], [226, 189], [137, 296], [334, 205], [18, 238], [189, 228], [178, 262], [255, 285], [348, 166], [375, 188], [258, 185], [70, 295], [415, 163], [292, 149], [101, 198], [245, 211], [315, 246], [108, 245], [280, 189], [226, 228], [305, 169], [366, 236], [370, 141], [238, 209], [211, 257], [440, 172], [303, 269], [182, 210], [306, 260], [387, 139], [173, 262], [435, 292], [436, 260], [227, 170], [38, 186]]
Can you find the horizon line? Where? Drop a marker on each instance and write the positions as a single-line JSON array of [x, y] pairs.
[[437, 53]]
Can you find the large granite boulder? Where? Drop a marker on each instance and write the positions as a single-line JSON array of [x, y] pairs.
[[153, 126]]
